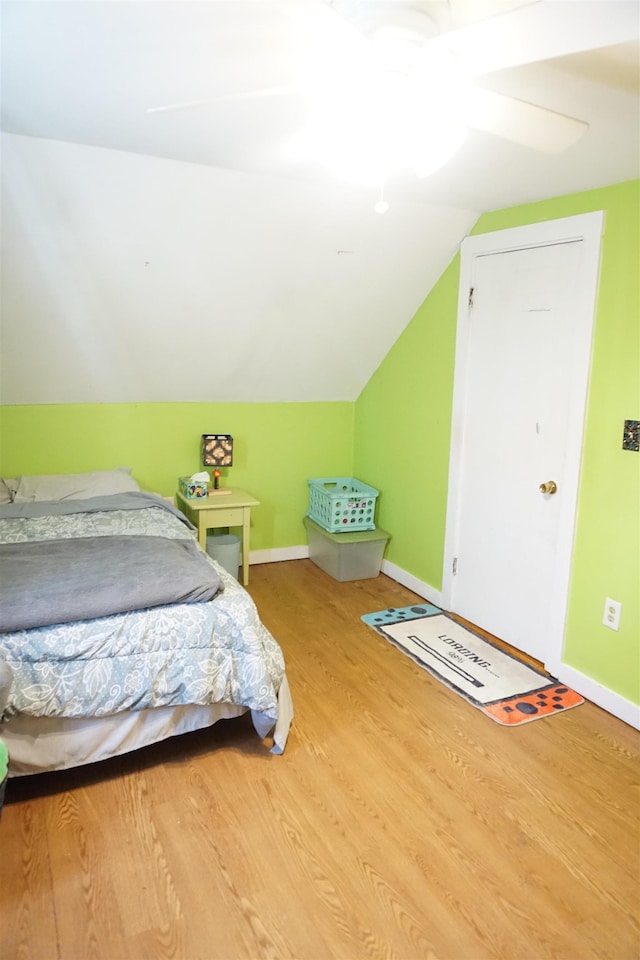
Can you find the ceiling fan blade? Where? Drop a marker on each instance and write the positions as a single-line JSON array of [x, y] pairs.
[[521, 122], [538, 31], [228, 98], [318, 26]]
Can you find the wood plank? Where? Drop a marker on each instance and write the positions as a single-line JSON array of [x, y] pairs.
[[27, 915]]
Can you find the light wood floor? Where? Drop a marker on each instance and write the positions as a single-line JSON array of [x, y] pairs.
[[400, 822]]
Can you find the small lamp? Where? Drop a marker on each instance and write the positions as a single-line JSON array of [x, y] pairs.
[[217, 451]]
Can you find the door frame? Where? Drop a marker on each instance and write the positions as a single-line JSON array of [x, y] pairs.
[[587, 228]]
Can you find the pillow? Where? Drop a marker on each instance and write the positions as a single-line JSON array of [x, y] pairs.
[[7, 490], [75, 486]]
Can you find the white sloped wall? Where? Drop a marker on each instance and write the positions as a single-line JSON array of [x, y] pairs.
[[132, 278]]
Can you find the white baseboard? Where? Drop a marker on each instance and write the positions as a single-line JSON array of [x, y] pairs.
[[412, 583], [591, 690], [278, 554]]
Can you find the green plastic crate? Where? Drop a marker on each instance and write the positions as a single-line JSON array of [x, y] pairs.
[[342, 504]]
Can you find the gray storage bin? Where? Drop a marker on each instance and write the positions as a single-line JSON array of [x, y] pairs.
[[225, 550], [346, 556]]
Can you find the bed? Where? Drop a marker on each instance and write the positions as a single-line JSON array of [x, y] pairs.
[[117, 630]]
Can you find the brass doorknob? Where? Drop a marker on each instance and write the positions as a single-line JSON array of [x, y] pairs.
[[549, 487]]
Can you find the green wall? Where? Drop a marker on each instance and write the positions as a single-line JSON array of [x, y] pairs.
[[277, 448], [402, 439], [402, 433], [396, 437]]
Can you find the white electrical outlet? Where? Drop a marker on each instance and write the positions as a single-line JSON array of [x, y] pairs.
[[611, 616]]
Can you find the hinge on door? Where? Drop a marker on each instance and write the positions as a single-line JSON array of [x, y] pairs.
[[471, 289], [454, 566]]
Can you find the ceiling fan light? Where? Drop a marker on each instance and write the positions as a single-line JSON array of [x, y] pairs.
[[443, 144], [393, 51]]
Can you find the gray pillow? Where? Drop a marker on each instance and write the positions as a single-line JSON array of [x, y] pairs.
[[75, 486]]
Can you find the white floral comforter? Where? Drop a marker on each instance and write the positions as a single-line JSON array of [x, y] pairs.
[[192, 653]]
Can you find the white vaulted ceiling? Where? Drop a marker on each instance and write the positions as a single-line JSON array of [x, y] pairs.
[[186, 254]]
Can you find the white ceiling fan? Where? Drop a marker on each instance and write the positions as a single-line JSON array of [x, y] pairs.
[[393, 66]]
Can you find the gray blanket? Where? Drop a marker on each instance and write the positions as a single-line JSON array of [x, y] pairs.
[[116, 501], [61, 581]]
